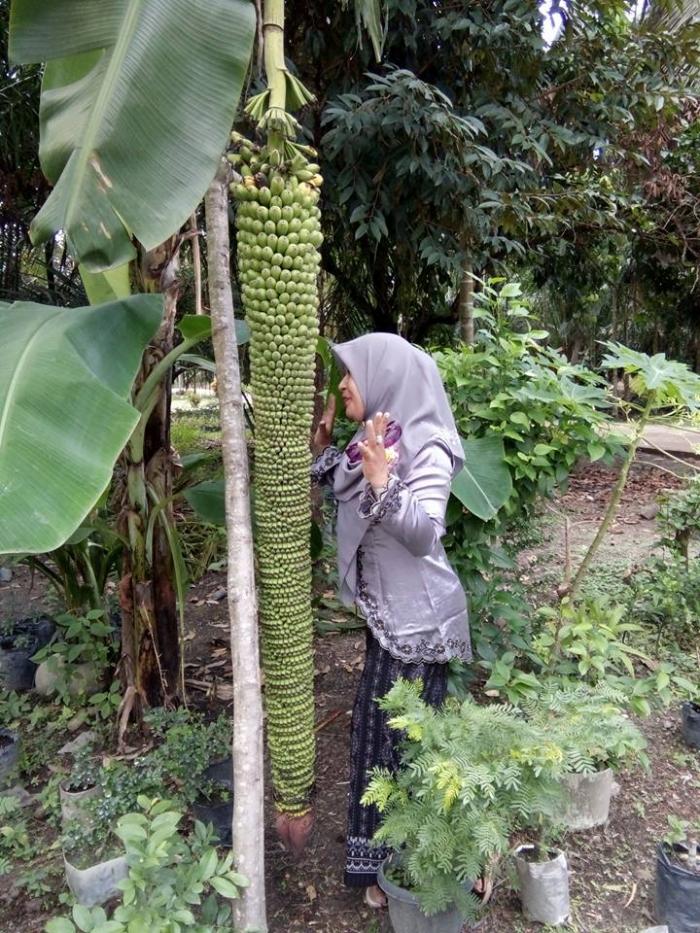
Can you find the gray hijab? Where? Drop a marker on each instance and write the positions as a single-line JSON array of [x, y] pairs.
[[391, 375]]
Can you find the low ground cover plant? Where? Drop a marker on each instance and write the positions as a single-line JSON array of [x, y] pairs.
[[174, 881]]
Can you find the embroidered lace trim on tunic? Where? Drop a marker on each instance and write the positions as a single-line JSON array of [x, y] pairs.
[[324, 463], [403, 651], [378, 507]]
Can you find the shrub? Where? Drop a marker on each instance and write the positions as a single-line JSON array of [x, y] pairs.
[[510, 383], [469, 776], [589, 725]]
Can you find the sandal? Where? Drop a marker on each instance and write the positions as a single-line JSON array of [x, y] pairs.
[[377, 901]]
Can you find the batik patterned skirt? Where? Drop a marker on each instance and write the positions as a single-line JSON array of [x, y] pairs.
[[374, 744]]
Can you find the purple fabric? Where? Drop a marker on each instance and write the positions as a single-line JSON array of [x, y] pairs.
[[391, 439]]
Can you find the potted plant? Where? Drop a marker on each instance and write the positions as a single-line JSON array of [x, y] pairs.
[[93, 856], [9, 755], [678, 877], [80, 788], [171, 881], [597, 738], [94, 862], [690, 718], [543, 882], [194, 755], [19, 640], [77, 661], [469, 776]]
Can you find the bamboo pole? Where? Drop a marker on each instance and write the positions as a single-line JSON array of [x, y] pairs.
[[248, 799]]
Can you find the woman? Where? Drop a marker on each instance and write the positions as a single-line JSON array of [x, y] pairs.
[[392, 484]]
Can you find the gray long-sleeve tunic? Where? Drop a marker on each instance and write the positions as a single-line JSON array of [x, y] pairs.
[[405, 588]]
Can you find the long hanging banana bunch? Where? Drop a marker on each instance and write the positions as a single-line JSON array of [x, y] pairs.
[[278, 231]]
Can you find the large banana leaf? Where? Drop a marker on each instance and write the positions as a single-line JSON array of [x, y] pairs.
[[65, 377], [485, 483], [110, 285], [126, 79]]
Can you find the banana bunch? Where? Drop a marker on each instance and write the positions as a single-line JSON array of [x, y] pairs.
[[278, 240]]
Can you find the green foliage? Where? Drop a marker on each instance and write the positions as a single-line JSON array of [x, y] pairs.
[[173, 883], [512, 385], [398, 111], [25, 859], [185, 747], [44, 727], [501, 620], [484, 483], [573, 126], [80, 568], [85, 772], [108, 75], [576, 642], [661, 382], [547, 412], [586, 640], [589, 726], [608, 582], [469, 776], [87, 639], [679, 517], [84, 362], [666, 593], [680, 831], [16, 842]]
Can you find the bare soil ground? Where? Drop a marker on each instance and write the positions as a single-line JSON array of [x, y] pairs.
[[612, 869]]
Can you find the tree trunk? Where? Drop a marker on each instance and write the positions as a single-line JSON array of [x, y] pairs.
[[466, 302], [151, 657], [248, 817]]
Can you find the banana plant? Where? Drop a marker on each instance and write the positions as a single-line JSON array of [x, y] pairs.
[[65, 414], [137, 101], [130, 143]]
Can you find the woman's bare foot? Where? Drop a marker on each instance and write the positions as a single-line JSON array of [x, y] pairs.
[[375, 897], [483, 888]]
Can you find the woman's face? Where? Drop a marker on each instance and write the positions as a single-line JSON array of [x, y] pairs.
[[354, 405]]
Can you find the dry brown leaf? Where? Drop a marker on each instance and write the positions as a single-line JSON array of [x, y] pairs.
[[224, 692]]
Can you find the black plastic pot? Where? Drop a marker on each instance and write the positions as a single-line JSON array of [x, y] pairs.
[[17, 646], [9, 755], [218, 813], [690, 714], [677, 892]]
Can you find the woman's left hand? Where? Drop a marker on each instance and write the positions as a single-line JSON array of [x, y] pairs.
[[374, 465]]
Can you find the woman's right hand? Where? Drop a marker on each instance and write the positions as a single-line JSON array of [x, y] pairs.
[[324, 432]]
